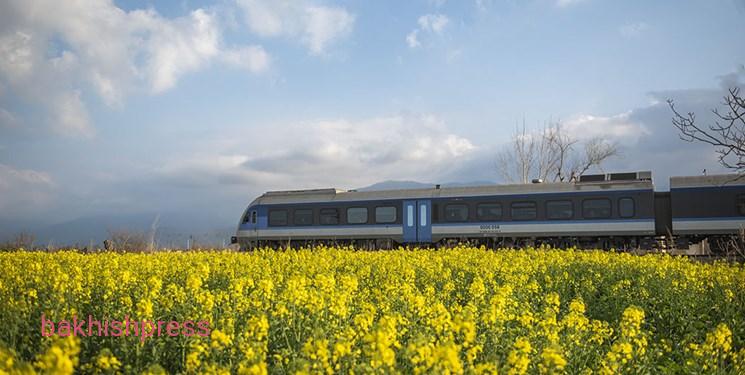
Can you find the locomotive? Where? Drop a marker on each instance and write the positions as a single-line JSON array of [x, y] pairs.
[[608, 211]]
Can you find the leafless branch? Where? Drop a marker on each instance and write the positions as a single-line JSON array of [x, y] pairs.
[[596, 152], [127, 241], [551, 155], [22, 240], [726, 134]]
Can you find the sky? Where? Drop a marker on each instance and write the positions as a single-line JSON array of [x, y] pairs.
[[193, 108]]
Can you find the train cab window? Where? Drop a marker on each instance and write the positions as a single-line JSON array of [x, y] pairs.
[[357, 215], [328, 216], [626, 207], [456, 212], [559, 210], [385, 215], [523, 211], [253, 217], [247, 217], [302, 217], [489, 211], [596, 208], [277, 218]]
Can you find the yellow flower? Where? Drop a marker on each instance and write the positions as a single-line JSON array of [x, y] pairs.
[[61, 357], [333, 309], [519, 357], [552, 360], [107, 361], [219, 339]]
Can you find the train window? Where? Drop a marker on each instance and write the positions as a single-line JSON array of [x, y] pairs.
[[626, 207], [302, 217], [253, 217], [385, 214], [489, 211], [523, 211], [247, 217], [277, 218], [740, 203], [357, 215], [456, 212], [558, 210], [328, 216], [596, 208]]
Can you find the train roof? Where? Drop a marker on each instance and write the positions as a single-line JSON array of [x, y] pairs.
[[640, 181], [679, 182]]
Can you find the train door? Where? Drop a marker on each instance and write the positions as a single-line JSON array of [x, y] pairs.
[[417, 221], [410, 222], [424, 231]]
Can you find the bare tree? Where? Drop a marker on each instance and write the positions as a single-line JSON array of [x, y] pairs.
[[561, 150], [127, 240], [596, 151], [22, 240], [551, 154], [516, 163], [727, 134]]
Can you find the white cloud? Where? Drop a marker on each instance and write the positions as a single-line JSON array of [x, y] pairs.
[[428, 23], [341, 152], [180, 47], [52, 57], [317, 27], [23, 191], [8, 119], [325, 25], [252, 58], [619, 127], [433, 22], [270, 18], [411, 39], [70, 115], [12, 176], [15, 48], [633, 29]]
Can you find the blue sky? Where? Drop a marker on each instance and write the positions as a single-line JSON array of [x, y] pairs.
[[195, 107]]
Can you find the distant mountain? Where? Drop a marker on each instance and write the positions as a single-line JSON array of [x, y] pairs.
[[10, 228], [396, 185], [172, 229]]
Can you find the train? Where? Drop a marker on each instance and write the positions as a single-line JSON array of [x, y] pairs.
[[620, 211]]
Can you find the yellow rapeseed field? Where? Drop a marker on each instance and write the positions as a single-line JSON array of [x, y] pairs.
[[336, 310]]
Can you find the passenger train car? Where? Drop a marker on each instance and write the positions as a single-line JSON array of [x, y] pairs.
[[615, 210], [707, 207]]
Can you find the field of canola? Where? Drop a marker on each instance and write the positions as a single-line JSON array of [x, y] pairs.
[[335, 310]]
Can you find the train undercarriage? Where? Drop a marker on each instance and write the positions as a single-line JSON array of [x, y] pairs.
[[623, 243], [683, 245]]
